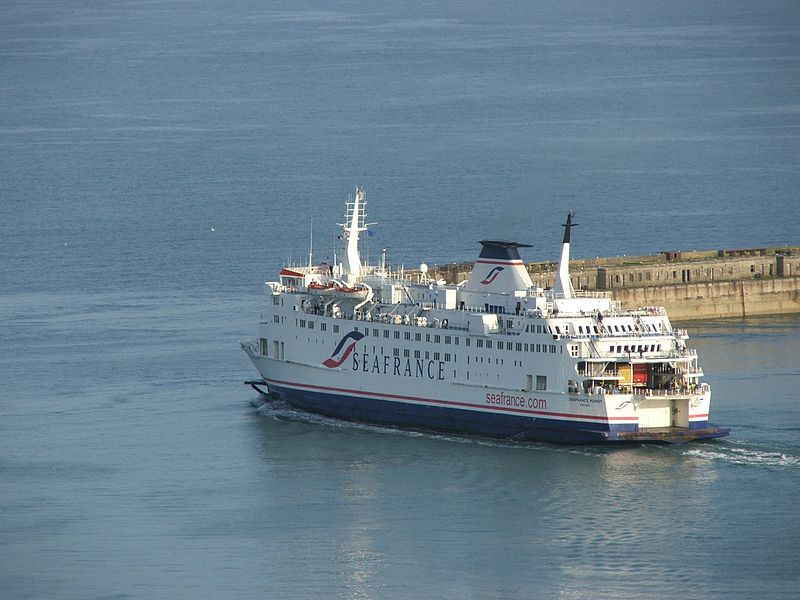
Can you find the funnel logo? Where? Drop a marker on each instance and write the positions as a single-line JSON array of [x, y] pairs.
[[334, 362], [492, 275]]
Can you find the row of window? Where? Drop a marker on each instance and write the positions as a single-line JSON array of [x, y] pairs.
[[417, 337], [310, 324], [636, 348], [538, 329], [627, 348], [419, 354], [501, 345], [589, 329], [437, 338]]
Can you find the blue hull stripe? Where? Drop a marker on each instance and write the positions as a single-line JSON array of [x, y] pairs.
[[452, 420], [448, 417]]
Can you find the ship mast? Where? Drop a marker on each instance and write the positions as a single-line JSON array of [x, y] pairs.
[[564, 287], [355, 216]]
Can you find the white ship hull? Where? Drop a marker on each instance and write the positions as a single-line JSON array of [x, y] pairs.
[[351, 393]]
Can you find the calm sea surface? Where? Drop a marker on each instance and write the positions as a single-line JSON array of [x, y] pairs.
[[159, 160]]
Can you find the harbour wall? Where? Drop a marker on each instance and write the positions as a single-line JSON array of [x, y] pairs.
[[718, 299], [690, 285]]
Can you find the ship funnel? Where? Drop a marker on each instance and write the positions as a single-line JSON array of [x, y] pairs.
[[563, 286], [499, 269]]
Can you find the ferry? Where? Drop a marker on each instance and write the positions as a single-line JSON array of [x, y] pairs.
[[493, 355]]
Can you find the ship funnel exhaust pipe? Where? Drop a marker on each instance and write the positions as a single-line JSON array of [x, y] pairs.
[[564, 287], [568, 226]]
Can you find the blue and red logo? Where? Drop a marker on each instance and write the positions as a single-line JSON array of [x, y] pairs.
[[341, 351], [492, 275]]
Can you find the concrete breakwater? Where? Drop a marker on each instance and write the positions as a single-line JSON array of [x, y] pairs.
[[690, 285]]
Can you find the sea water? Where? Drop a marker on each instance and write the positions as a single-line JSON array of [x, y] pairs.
[[159, 161]]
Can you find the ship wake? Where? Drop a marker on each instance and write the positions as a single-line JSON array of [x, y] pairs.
[[746, 456]]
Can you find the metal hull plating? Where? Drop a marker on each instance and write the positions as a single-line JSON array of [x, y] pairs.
[[321, 392]]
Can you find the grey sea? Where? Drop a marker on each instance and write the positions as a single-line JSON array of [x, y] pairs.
[[159, 160]]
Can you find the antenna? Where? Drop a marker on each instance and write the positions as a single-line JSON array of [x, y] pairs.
[[335, 237], [568, 226], [311, 244]]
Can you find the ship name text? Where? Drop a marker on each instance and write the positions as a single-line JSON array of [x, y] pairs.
[[504, 399], [401, 367]]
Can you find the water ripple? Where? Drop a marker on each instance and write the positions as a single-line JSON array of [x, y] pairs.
[[746, 456]]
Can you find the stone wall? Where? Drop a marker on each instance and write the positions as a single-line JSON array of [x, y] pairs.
[[716, 300]]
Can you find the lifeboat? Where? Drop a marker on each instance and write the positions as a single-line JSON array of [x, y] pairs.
[[315, 286], [351, 292], [336, 288]]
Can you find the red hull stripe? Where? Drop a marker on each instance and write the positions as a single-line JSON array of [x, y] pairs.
[[454, 403], [483, 261]]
